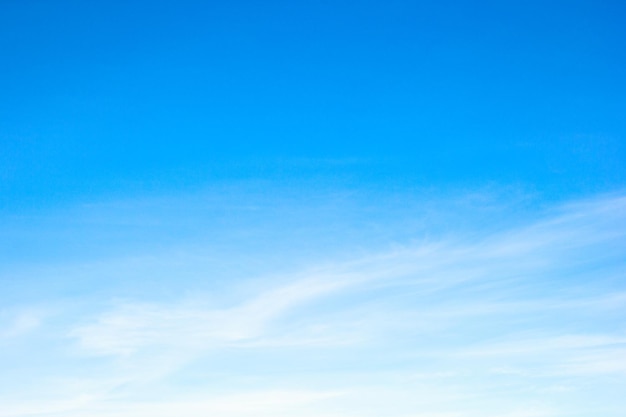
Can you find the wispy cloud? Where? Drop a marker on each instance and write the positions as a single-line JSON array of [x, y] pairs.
[[20, 323], [133, 326], [539, 301]]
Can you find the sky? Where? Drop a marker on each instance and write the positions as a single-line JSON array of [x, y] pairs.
[[294, 209]]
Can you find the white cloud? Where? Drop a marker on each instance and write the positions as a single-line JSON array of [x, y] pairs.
[[21, 323], [133, 326], [538, 301]]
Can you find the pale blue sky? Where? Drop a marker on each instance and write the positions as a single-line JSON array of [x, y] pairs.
[[339, 209]]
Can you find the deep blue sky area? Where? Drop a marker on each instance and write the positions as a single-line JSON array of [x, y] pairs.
[[140, 96]]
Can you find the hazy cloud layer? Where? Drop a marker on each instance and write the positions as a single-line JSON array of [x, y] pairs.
[[521, 321]]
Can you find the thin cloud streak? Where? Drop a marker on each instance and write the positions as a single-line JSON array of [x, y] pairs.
[[513, 305]]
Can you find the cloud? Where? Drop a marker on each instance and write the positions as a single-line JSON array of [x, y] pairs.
[[500, 271], [258, 403], [469, 313], [21, 323], [132, 326]]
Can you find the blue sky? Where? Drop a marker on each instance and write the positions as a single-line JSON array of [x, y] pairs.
[[408, 209]]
